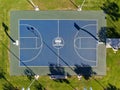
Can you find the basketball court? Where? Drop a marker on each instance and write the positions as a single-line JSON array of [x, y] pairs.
[[62, 38]]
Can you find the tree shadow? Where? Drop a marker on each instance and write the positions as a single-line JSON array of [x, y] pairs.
[[107, 32], [102, 34], [56, 70], [59, 70], [58, 57], [111, 87], [111, 9], [112, 33], [84, 70]]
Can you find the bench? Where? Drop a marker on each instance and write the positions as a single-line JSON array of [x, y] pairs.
[[58, 77]]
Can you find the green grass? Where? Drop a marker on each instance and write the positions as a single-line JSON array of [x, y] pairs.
[[113, 68], [113, 61]]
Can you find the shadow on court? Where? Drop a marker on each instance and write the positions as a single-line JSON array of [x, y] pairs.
[[111, 9], [59, 70], [79, 28], [84, 70], [58, 56], [102, 35], [17, 58], [87, 72], [29, 73], [111, 87], [56, 70]]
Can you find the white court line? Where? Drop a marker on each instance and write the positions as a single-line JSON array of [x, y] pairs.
[[29, 38], [88, 48], [86, 37], [36, 42], [80, 42], [61, 20], [58, 28], [58, 57], [74, 19], [28, 48], [58, 51], [75, 40], [38, 48], [40, 37]]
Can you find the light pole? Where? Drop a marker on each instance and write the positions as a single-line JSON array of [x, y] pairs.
[[36, 77], [34, 6], [80, 7]]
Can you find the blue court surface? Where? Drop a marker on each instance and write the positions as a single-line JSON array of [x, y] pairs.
[[61, 42]]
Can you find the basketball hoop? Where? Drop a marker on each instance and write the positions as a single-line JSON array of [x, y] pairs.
[[16, 43]]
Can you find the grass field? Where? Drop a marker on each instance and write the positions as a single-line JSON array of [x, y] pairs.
[[7, 82]]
